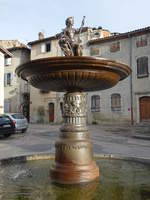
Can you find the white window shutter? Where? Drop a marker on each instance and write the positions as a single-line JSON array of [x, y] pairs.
[[5, 80], [8, 61], [11, 79], [43, 48]]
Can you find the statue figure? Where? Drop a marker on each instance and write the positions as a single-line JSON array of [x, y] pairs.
[[67, 42]]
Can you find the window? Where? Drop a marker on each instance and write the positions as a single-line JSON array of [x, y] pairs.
[[95, 34], [94, 51], [45, 47], [141, 41], [115, 102], [8, 78], [142, 67], [18, 116], [7, 105], [115, 47], [95, 103], [8, 61], [48, 47]]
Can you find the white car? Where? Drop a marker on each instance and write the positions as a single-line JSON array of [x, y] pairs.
[[20, 122]]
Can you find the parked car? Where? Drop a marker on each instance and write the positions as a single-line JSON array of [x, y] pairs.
[[7, 126], [20, 122]]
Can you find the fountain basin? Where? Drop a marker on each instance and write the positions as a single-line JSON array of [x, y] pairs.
[[120, 179], [73, 73]]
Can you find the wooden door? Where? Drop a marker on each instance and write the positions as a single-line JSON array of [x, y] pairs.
[[145, 109], [51, 112]]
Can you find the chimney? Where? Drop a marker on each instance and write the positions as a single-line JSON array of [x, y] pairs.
[[41, 36]]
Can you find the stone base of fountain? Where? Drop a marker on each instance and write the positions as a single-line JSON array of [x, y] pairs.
[[74, 173], [74, 150]]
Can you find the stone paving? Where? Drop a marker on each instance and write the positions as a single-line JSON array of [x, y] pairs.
[[119, 141]]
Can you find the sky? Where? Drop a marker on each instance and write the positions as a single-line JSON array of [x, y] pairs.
[[23, 19]]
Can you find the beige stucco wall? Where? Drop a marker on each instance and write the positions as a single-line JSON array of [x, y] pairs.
[[36, 50], [40, 101], [37, 99], [141, 86], [123, 88]]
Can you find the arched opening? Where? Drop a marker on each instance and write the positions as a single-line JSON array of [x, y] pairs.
[[144, 103]]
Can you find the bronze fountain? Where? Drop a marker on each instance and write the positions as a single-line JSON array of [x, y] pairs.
[[73, 74]]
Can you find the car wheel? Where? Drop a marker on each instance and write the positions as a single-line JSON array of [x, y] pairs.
[[24, 130], [7, 135]]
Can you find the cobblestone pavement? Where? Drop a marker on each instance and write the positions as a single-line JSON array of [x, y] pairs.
[[122, 140]]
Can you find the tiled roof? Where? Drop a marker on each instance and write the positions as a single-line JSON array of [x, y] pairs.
[[120, 36], [5, 52], [52, 37], [19, 47], [43, 40]]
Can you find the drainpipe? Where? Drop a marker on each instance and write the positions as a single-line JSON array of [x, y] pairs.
[[131, 82]]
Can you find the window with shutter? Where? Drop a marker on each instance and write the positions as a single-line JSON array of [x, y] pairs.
[[11, 78], [141, 41], [142, 67], [7, 61], [94, 51], [115, 102], [114, 47], [8, 79], [5, 80], [95, 103]]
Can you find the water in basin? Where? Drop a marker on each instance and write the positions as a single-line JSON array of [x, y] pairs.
[[119, 180]]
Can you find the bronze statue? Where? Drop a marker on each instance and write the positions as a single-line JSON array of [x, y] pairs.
[[67, 42]]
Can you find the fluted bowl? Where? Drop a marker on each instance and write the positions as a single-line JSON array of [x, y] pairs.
[[73, 73]]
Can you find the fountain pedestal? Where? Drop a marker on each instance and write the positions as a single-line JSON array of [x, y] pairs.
[[74, 150]]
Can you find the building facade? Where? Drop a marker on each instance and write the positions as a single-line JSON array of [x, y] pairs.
[[4, 54], [130, 99], [128, 102], [16, 91]]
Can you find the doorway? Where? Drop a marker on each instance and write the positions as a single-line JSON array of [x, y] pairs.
[[145, 108], [51, 112]]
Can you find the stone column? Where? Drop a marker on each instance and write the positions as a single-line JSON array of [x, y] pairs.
[[74, 150]]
